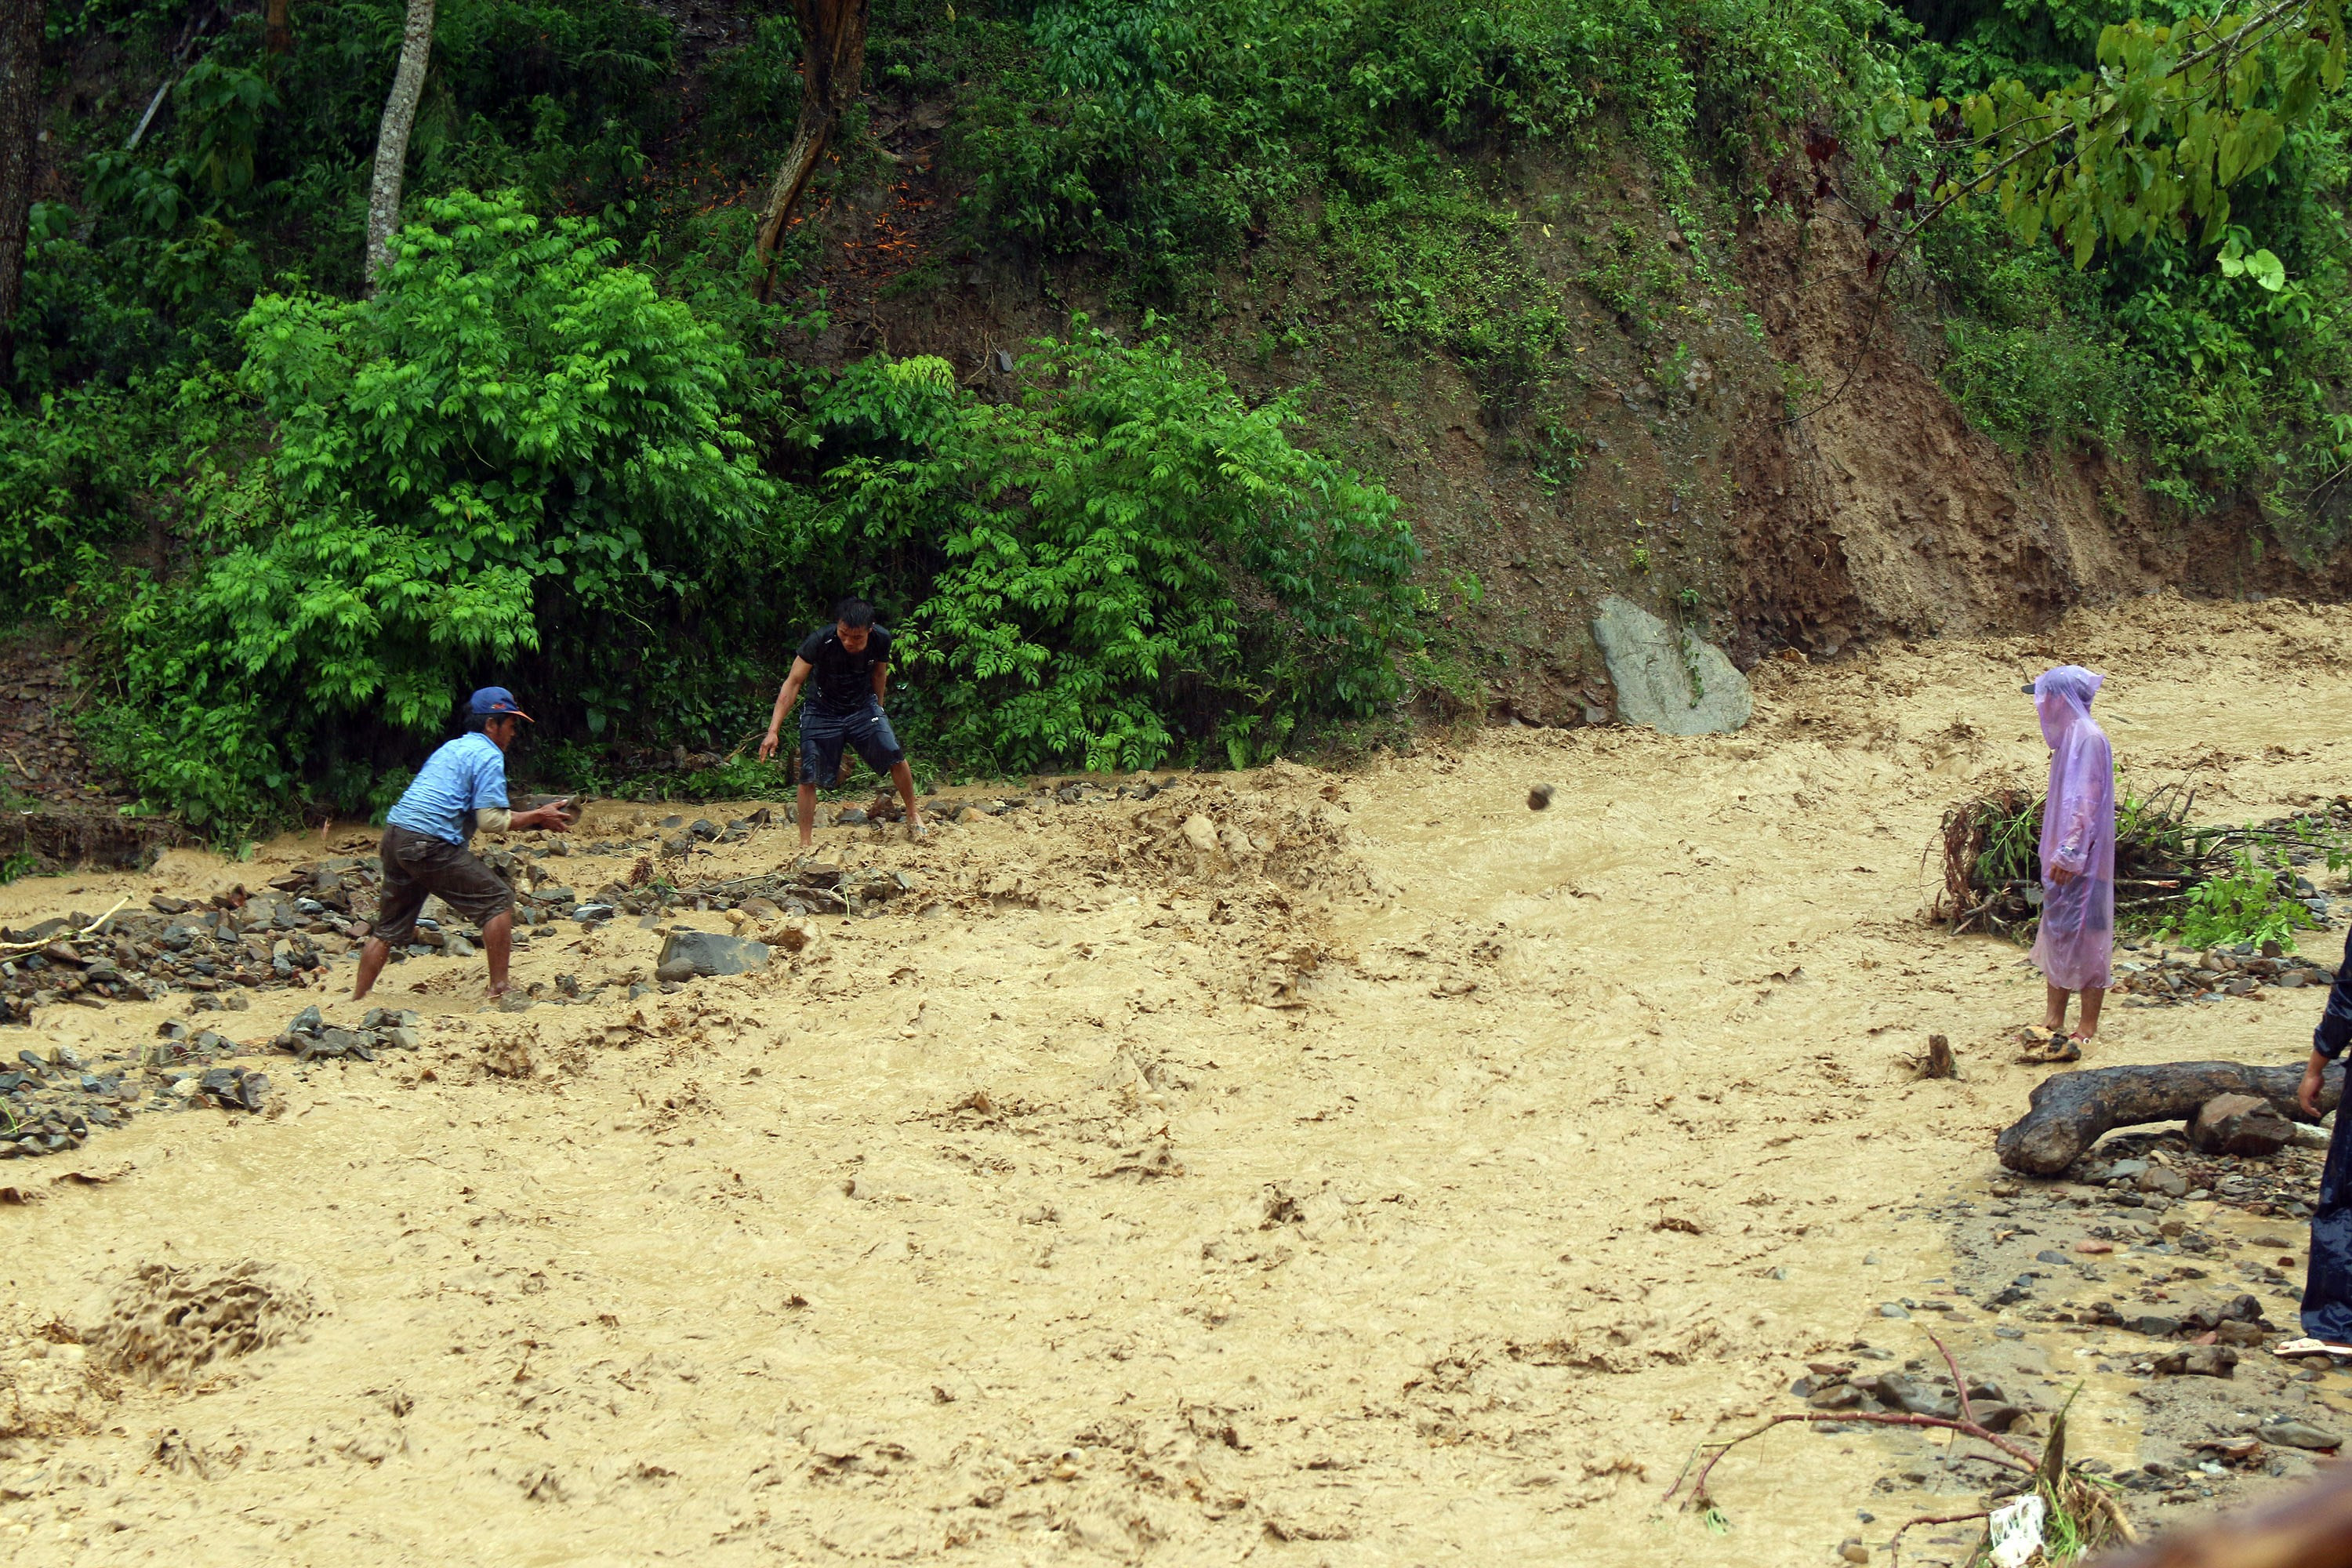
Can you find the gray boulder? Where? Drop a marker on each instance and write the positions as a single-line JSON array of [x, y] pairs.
[[2294, 1434], [688, 954], [2239, 1124], [1651, 665]]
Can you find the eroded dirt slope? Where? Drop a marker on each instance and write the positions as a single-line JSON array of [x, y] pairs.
[[1410, 1178]]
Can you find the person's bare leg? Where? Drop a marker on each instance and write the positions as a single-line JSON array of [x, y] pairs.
[[904, 777], [2054, 1013], [807, 815], [372, 954], [2093, 1001], [497, 943]]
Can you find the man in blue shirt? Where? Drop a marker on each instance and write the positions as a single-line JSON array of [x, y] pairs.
[[461, 788], [851, 662]]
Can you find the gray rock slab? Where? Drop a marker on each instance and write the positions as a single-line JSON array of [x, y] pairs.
[[685, 952], [1651, 665]]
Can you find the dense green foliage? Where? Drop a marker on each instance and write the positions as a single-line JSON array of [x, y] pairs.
[[2215, 351], [1168, 135], [515, 449], [1091, 538], [563, 450]]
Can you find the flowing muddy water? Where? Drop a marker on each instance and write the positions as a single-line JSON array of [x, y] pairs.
[[1412, 1177]]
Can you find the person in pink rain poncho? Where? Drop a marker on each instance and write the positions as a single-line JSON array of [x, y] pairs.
[[2078, 856]]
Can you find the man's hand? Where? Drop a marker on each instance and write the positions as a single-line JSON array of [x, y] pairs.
[[2060, 875], [768, 746], [550, 817], [2307, 1093]]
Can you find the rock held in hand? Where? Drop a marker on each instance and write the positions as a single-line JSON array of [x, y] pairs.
[[1539, 797], [2239, 1124]]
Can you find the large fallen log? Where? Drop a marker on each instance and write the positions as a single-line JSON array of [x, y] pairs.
[[2074, 1110]]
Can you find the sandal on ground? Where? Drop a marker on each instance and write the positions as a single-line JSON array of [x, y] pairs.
[[2311, 1347]]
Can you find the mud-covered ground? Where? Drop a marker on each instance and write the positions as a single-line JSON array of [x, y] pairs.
[[1390, 1174]]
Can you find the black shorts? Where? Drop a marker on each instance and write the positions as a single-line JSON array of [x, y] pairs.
[[415, 864], [824, 735]]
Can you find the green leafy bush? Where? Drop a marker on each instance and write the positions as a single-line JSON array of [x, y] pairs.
[[1128, 555], [517, 450], [2251, 903]]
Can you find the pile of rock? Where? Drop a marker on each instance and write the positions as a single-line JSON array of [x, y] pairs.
[[309, 1037], [233, 942], [812, 890], [2238, 1322], [51, 1105], [1916, 1391], [2167, 977], [2250, 1162]]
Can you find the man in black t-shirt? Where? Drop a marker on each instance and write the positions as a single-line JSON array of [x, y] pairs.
[[851, 661]]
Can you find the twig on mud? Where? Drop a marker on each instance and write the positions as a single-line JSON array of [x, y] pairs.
[[37, 946], [1894, 1542], [2010, 1453], [1959, 1383]]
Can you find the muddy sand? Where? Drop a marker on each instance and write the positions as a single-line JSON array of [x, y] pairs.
[[1409, 1177]]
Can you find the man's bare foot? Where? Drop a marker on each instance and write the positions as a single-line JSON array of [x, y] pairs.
[[917, 827]]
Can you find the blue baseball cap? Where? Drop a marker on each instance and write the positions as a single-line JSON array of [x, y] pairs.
[[495, 700]]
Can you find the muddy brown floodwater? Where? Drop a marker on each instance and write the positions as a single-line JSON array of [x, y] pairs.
[[1412, 1177]]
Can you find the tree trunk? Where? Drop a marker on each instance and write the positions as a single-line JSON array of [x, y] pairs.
[[20, 125], [392, 140], [2074, 1110], [832, 63], [277, 30]]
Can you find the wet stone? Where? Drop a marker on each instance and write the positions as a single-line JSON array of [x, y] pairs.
[[2200, 1361], [2239, 1124], [2294, 1434]]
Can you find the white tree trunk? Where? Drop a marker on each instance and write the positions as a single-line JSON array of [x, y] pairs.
[[392, 140]]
